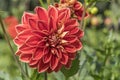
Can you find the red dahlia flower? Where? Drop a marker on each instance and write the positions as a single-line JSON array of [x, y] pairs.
[[48, 39], [11, 22]]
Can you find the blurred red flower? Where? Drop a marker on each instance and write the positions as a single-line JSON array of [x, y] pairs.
[[48, 39], [11, 22]]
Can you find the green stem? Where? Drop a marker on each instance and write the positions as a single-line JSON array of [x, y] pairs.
[[12, 50], [48, 2], [41, 2], [26, 69], [83, 15], [45, 75]]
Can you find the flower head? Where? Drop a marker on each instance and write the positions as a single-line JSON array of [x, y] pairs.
[[75, 6], [48, 39]]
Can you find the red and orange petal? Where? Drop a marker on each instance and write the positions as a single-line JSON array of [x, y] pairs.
[[48, 39]]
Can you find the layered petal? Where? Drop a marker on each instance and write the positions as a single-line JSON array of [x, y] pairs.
[[42, 13]]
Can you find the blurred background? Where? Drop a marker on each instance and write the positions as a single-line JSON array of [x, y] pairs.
[[100, 57]]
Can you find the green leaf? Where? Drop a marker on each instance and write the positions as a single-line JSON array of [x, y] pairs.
[[73, 70], [59, 75]]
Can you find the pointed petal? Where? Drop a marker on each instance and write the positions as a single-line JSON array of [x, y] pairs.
[[42, 13], [40, 33], [21, 27], [42, 43], [80, 34], [38, 54], [53, 12], [24, 34], [25, 57], [18, 42], [32, 41], [26, 49], [26, 16], [74, 30], [77, 44], [70, 39], [42, 67], [79, 13], [32, 23], [52, 24], [47, 57], [42, 25], [53, 62], [64, 59], [77, 5], [70, 48], [59, 66], [18, 53], [64, 15], [33, 62], [71, 22]]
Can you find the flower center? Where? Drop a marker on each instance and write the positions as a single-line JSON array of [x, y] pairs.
[[53, 40]]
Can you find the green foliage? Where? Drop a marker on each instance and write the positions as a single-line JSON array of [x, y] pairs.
[[73, 70]]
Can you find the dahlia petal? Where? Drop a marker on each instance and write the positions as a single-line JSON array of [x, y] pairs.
[[74, 30], [64, 14], [70, 38], [38, 54], [79, 13], [42, 25], [46, 50], [39, 33], [26, 16], [53, 12], [33, 62], [77, 5], [34, 66], [72, 56], [61, 29], [71, 22], [64, 59], [25, 57], [42, 13], [24, 34], [53, 62], [42, 67], [79, 34], [41, 43], [47, 57], [18, 42], [33, 23], [59, 54], [52, 24], [20, 28], [63, 34], [18, 53], [77, 44], [70, 48], [32, 41], [68, 65], [26, 49], [59, 66]]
